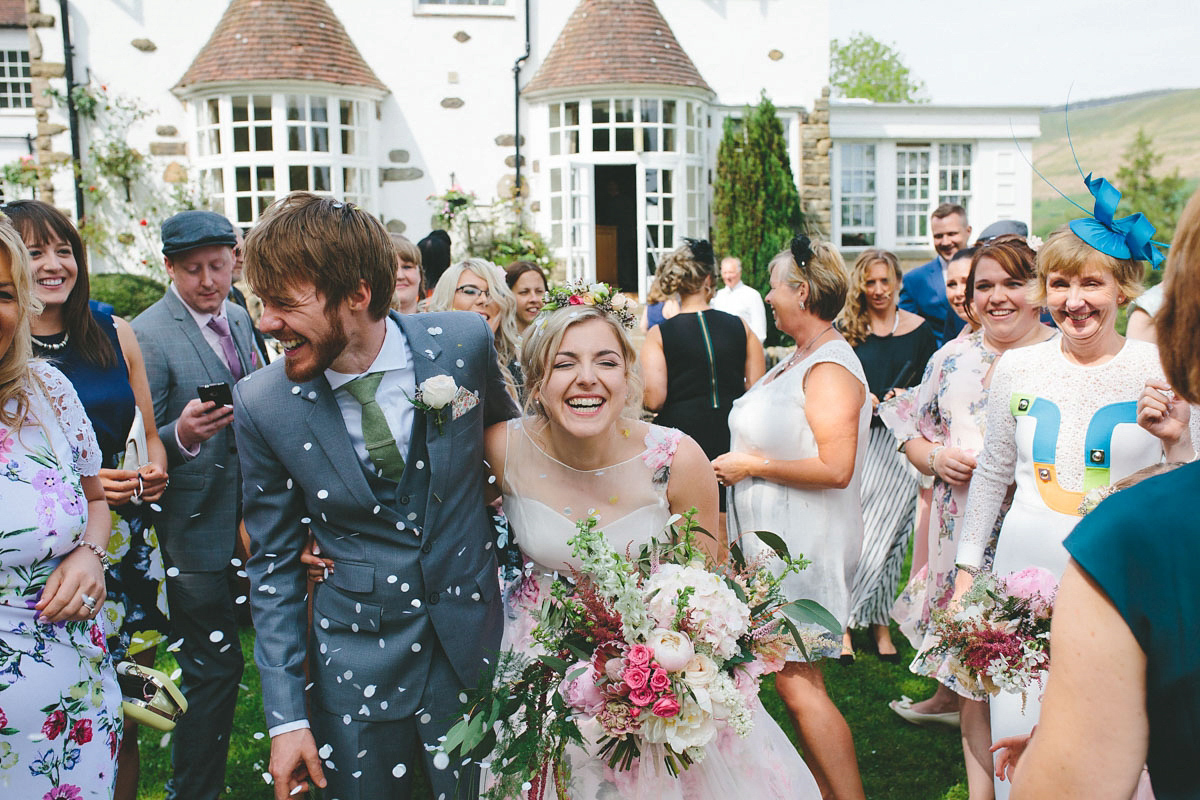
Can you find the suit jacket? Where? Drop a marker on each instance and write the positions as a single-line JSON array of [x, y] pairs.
[[924, 293], [393, 593], [198, 523]]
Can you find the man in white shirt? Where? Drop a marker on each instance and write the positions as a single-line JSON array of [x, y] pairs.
[[739, 299]]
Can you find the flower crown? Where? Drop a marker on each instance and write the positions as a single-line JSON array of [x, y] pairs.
[[598, 295]]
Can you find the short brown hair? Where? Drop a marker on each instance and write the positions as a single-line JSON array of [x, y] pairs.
[[1012, 253], [680, 272], [1179, 318], [1068, 255], [335, 246], [947, 209], [825, 276], [405, 249], [514, 271]]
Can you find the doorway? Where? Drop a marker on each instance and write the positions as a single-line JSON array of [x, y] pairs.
[[616, 226]]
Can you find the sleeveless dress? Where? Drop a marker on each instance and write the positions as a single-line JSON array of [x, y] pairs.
[[889, 483], [60, 707], [1059, 429], [135, 614], [544, 499], [823, 525]]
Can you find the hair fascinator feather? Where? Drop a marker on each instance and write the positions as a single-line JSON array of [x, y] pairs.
[[801, 248], [702, 251]]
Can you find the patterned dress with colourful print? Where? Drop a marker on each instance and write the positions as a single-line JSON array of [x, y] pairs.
[[60, 707]]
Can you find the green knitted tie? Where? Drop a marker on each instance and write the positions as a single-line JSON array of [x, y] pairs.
[[381, 445]]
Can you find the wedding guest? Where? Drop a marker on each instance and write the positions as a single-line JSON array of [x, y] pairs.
[[893, 346], [659, 306], [924, 290], [956, 289], [100, 356], [1142, 312], [1124, 666], [1061, 419], [478, 285], [410, 280], [798, 440], [528, 284], [940, 426], [739, 299], [435, 255], [61, 702], [699, 362], [563, 459]]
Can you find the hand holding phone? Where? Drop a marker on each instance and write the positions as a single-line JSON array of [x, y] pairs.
[[218, 393]]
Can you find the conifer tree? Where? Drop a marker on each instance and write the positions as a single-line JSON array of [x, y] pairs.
[[756, 208]]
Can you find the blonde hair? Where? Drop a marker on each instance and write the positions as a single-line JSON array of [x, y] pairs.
[[17, 378], [854, 322], [545, 336], [443, 300], [825, 275], [680, 272], [1178, 320], [1068, 255]]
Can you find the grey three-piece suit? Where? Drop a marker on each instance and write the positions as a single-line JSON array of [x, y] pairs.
[[411, 611]]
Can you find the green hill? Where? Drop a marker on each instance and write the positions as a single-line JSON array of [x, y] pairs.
[[1101, 131]]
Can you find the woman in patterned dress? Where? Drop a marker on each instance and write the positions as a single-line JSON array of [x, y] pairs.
[[100, 356], [60, 720]]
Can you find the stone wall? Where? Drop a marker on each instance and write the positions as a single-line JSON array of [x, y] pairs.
[[816, 198], [41, 72]]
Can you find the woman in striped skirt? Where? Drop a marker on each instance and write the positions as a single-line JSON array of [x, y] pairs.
[[893, 346]]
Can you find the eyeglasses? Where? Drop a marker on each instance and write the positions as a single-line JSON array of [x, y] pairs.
[[474, 291]]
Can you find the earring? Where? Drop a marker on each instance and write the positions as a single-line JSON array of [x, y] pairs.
[[801, 305]]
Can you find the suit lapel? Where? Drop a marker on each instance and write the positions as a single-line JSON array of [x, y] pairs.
[[243, 340], [426, 352], [214, 365]]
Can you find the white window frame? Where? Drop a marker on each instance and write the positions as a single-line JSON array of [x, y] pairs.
[[948, 170], [351, 178], [16, 73], [451, 8], [866, 200]]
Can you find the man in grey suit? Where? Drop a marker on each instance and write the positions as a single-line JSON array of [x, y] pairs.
[[331, 440], [190, 338]]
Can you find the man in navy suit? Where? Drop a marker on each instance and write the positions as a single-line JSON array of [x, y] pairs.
[[924, 289]]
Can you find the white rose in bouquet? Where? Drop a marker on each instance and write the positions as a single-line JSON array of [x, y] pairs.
[[672, 650]]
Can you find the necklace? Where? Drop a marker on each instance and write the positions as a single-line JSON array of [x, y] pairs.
[[52, 346], [895, 325], [796, 355]]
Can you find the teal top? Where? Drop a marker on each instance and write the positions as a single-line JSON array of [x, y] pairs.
[[1142, 547]]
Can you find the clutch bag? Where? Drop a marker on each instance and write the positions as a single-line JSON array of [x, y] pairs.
[[136, 455], [149, 697]]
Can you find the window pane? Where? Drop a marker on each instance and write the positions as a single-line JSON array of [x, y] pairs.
[[572, 142], [241, 108], [295, 138], [214, 142], [668, 207], [600, 140], [266, 179], [245, 209], [241, 179], [668, 112], [319, 109], [624, 139], [669, 139], [666, 179], [321, 181], [555, 143], [298, 179], [262, 139], [555, 115], [295, 107], [572, 113], [241, 140], [649, 139], [556, 180], [623, 110], [600, 111], [349, 141], [320, 139], [262, 106], [556, 208], [348, 115], [649, 111], [214, 111]]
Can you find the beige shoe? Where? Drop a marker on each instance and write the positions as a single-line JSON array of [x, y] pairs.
[[903, 707]]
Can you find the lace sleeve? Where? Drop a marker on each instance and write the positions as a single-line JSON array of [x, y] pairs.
[[994, 471], [72, 419]]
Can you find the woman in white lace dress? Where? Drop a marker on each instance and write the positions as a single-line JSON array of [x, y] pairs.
[[798, 440], [1061, 420], [60, 720], [582, 451]]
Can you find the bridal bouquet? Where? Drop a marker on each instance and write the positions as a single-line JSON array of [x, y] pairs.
[[998, 637], [652, 655]]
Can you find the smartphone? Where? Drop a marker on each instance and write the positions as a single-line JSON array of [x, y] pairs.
[[218, 393]]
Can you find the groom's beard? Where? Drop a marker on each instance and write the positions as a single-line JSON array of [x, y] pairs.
[[324, 352]]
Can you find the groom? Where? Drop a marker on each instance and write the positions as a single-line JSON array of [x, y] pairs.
[[392, 490]]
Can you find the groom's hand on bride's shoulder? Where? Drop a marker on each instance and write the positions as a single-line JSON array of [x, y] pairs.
[[295, 762]]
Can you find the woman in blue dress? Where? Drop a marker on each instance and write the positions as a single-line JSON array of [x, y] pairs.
[[100, 356]]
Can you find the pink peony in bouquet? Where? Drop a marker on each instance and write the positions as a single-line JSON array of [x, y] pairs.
[[998, 636], [647, 654]]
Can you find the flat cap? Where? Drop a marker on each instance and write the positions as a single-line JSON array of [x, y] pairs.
[[191, 229], [1002, 228]]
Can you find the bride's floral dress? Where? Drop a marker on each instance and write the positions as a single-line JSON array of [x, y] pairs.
[[544, 499]]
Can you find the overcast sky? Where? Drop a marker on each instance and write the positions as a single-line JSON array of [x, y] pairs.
[[1031, 51]]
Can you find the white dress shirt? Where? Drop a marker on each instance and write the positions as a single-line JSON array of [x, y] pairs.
[[214, 341], [398, 385], [744, 302]]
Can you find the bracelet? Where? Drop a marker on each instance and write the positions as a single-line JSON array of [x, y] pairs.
[[100, 552], [933, 454]]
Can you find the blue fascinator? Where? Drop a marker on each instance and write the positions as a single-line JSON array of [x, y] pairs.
[[1130, 237]]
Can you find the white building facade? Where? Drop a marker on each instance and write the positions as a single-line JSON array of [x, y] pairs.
[[387, 102]]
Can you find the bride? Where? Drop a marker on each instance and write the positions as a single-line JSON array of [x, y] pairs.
[[581, 451]]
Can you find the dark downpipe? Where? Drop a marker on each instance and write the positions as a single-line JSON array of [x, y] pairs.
[[517, 102], [72, 113]]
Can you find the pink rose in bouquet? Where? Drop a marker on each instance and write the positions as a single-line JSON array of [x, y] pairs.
[[636, 677], [1037, 585], [581, 691], [665, 707]]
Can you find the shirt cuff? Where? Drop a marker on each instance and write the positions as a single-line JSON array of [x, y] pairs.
[[288, 727], [187, 454], [969, 555]]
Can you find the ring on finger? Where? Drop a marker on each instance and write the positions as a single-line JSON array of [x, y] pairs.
[[88, 601]]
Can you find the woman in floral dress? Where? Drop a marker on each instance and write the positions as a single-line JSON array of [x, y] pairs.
[[60, 721]]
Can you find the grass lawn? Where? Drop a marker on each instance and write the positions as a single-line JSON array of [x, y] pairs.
[[898, 761]]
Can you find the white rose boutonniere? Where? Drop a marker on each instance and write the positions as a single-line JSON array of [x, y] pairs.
[[434, 395]]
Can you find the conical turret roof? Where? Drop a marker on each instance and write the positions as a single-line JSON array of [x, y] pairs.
[[259, 40], [616, 42]]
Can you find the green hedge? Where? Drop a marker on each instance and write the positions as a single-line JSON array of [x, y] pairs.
[[129, 295]]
